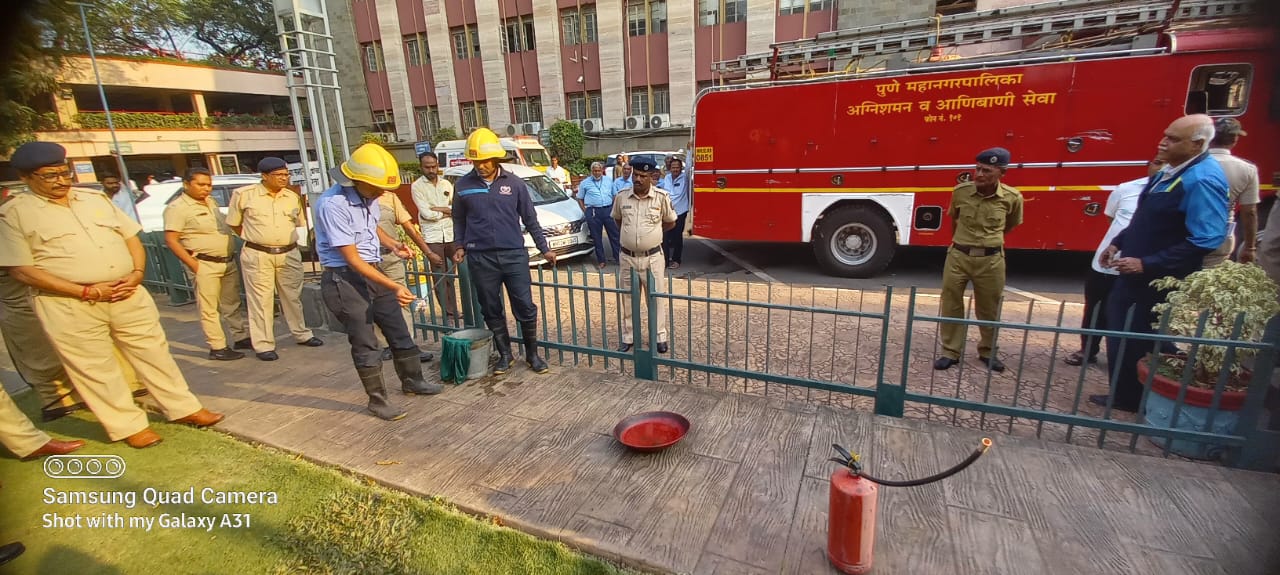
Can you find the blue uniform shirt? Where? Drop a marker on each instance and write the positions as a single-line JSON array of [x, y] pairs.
[[1181, 217], [620, 183], [678, 189], [343, 218], [488, 216], [125, 203], [596, 193]]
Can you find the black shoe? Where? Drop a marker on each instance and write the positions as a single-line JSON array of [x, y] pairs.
[[624, 348], [225, 354], [53, 413], [386, 354], [994, 363], [425, 356], [245, 343], [1101, 401], [944, 363], [268, 356], [11, 551], [313, 342], [662, 347]]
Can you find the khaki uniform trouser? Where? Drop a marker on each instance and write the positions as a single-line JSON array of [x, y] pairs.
[[658, 266], [987, 275], [1222, 253], [16, 431], [394, 269], [218, 297], [31, 352], [84, 336], [266, 276]]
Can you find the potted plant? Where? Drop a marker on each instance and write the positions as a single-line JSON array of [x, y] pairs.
[[1223, 293]]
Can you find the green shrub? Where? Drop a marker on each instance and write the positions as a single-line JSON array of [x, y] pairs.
[[138, 121], [567, 140]]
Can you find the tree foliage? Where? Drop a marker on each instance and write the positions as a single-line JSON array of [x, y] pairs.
[[567, 141], [443, 135], [244, 36], [30, 70]]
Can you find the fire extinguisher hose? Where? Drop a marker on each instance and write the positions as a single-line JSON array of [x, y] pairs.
[[986, 444]]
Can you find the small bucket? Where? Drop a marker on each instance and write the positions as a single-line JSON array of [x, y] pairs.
[[481, 348]]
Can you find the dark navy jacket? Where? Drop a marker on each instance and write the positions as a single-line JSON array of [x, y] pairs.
[[487, 217], [1181, 218]]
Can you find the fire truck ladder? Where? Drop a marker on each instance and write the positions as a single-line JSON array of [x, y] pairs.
[[1071, 18]]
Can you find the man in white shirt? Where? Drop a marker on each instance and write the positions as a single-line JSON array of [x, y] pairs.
[[1121, 204], [433, 196], [1242, 179], [558, 173], [127, 201]]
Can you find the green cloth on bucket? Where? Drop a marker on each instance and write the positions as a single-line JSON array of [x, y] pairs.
[[455, 360]]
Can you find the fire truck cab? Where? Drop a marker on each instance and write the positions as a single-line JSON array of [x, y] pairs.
[[858, 164]]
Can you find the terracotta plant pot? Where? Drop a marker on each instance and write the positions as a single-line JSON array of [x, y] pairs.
[[1193, 416], [1196, 396]]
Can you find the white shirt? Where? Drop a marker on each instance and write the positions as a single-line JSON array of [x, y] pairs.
[[1121, 204], [437, 228], [559, 174]]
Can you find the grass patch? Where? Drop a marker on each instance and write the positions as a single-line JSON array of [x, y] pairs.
[[325, 521]]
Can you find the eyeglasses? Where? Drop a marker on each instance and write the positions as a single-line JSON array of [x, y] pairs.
[[52, 177]]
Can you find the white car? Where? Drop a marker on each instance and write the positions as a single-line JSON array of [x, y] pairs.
[[151, 208], [561, 218], [658, 158]]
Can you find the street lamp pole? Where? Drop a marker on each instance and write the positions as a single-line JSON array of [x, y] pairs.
[[102, 93]]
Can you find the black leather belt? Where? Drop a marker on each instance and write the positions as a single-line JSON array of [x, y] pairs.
[[976, 251], [209, 258], [642, 254], [274, 250], [337, 270]]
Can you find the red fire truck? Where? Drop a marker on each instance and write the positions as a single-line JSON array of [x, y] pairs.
[[858, 163]]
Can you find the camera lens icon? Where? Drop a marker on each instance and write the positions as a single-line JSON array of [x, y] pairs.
[[84, 466]]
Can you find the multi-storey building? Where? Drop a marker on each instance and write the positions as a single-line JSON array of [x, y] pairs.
[[169, 115], [618, 67]]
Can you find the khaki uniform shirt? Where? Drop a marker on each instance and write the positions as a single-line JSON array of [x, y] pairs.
[[264, 219], [982, 222], [201, 227], [437, 228], [83, 243], [642, 218], [1242, 179], [391, 214]]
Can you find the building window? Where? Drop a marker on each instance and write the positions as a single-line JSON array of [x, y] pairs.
[[949, 7], [657, 16], [474, 115], [579, 26], [583, 106], [466, 42], [705, 84], [797, 6], [384, 122], [428, 120], [640, 101], [517, 35], [661, 100], [637, 24], [415, 51], [528, 109], [372, 59], [736, 11]]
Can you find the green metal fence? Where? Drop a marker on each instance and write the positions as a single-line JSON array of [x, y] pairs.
[[165, 273]]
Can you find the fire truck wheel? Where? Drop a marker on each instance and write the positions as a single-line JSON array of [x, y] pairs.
[[854, 242]]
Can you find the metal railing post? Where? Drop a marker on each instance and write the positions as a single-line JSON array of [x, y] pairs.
[[643, 357], [891, 398], [471, 316], [1258, 451]]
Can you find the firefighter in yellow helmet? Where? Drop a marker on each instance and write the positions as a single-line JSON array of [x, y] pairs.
[[354, 289], [489, 207]]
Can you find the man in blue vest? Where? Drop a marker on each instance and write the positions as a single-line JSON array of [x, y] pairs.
[[354, 289], [1181, 218], [489, 207]]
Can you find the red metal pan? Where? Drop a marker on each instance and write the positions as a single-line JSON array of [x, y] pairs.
[[651, 431]]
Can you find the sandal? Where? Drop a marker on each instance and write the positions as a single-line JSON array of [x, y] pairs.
[[1077, 358]]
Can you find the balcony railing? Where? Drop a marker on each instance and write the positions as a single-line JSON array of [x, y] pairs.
[[172, 121]]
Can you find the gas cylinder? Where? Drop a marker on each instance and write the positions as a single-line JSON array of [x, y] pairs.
[[851, 522]]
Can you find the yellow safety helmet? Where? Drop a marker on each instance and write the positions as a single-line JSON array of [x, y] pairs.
[[373, 165], [483, 144]]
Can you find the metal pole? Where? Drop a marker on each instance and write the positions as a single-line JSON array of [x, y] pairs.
[[337, 88], [102, 94]]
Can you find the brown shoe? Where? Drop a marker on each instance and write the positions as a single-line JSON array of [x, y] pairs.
[[143, 439], [202, 418], [56, 447]]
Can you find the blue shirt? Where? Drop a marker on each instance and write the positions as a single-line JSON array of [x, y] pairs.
[[1181, 217], [125, 203], [678, 189], [488, 217], [596, 193], [620, 183], [343, 218]]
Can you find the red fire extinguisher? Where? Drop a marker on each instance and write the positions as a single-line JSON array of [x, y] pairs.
[[851, 515]]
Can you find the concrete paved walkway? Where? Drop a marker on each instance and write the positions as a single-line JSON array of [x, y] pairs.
[[745, 492]]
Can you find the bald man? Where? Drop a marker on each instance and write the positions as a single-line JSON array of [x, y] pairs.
[[1181, 218]]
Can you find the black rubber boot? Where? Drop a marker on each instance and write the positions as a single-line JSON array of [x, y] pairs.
[[371, 378], [11, 551], [529, 331], [502, 344], [409, 368]]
